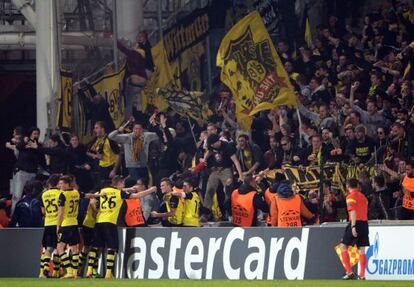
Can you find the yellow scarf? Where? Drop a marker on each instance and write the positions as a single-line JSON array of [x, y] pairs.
[[137, 148]]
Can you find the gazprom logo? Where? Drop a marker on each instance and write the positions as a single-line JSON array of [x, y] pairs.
[[376, 265], [372, 253]]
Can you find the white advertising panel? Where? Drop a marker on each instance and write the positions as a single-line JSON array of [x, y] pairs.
[[390, 255]]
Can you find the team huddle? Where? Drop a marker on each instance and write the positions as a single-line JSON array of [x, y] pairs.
[[98, 230]]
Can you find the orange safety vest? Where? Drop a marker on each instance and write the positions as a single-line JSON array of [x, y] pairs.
[[408, 201], [133, 214], [288, 211], [268, 198], [242, 208]]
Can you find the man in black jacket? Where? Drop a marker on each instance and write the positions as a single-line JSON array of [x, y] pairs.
[[27, 164]]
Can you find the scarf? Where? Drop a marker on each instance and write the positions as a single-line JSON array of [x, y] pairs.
[[137, 148]]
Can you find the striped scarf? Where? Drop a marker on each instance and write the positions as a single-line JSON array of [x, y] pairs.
[[137, 148]]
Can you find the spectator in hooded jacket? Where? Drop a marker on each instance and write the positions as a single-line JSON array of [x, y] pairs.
[[28, 211]]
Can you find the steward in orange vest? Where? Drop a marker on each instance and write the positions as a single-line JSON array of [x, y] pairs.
[[134, 216], [270, 193], [286, 208], [245, 201], [407, 212]]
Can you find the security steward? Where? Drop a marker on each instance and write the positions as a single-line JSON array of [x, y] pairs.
[[134, 216], [407, 212], [286, 208], [245, 201]]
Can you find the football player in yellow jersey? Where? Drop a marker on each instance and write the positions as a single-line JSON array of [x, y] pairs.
[[110, 203], [88, 233], [172, 208], [67, 224], [191, 217], [49, 203]]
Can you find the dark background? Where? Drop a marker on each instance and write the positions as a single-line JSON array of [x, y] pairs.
[[17, 108]]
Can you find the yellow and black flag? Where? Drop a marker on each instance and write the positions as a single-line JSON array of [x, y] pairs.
[[186, 103], [161, 78], [307, 30], [64, 112], [252, 70]]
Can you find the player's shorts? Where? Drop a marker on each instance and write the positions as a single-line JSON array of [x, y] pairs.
[[362, 239], [88, 235], [49, 237], [69, 235], [106, 235], [406, 214]]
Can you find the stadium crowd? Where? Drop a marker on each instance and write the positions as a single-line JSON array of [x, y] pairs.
[[355, 92]]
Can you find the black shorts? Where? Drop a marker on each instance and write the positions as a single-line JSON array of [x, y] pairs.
[[49, 237], [88, 235], [362, 239], [407, 214], [106, 236], [69, 235]]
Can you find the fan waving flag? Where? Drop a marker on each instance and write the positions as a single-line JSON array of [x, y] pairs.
[[252, 70]]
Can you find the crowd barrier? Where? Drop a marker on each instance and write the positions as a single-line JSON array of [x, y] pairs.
[[229, 253]]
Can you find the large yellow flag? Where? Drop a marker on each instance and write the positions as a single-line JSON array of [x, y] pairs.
[[161, 78], [252, 70]]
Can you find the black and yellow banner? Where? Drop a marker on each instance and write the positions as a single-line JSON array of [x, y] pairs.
[[162, 77], [176, 84], [252, 70], [186, 33], [308, 178], [109, 87], [185, 103], [64, 109]]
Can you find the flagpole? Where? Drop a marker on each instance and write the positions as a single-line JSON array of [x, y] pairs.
[[300, 128], [191, 129]]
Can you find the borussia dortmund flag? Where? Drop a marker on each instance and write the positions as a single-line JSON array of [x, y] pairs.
[[185, 103], [64, 113], [251, 68], [353, 255], [161, 78]]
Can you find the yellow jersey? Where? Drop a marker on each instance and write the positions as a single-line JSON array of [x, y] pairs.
[[177, 219], [191, 213], [103, 147], [90, 219], [69, 200], [50, 200], [110, 204]]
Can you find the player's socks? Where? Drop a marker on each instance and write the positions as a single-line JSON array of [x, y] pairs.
[[56, 265], [75, 264], [46, 261], [42, 264], [345, 258], [65, 262], [110, 261], [95, 268], [363, 264], [91, 261]]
